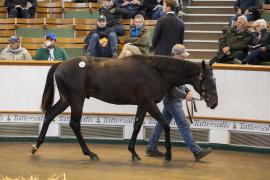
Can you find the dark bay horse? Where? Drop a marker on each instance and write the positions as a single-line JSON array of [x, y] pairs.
[[136, 80]]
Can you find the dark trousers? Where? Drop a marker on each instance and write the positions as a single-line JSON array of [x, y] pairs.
[[257, 55], [19, 13], [222, 58]]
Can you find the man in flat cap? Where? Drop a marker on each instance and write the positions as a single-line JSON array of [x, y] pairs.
[[173, 110]]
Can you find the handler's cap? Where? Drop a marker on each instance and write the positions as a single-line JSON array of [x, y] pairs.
[[52, 36], [180, 49], [101, 17], [14, 39]]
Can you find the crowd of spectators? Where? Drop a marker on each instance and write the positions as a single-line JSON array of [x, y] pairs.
[[238, 45], [21, 8]]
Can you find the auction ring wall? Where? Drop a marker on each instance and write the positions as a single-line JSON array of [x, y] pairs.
[[241, 118]]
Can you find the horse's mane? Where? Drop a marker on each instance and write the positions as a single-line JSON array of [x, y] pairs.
[[164, 62]]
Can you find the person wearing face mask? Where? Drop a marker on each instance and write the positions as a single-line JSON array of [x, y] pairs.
[[102, 41], [138, 42], [14, 51], [49, 51], [112, 14]]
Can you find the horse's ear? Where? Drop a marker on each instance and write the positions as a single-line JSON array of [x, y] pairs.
[[203, 66]]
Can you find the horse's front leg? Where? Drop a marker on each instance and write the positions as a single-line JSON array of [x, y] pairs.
[[58, 108], [155, 113], [75, 124], [137, 126]]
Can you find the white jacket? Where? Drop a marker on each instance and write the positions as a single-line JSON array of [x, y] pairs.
[[17, 54]]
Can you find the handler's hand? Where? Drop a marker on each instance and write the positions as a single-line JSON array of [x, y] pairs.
[[189, 96]]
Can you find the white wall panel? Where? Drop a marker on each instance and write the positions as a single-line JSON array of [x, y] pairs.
[[242, 94]]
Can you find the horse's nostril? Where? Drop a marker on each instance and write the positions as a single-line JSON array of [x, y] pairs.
[[214, 105]]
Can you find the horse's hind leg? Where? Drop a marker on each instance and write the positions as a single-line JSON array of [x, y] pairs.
[[58, 108], [75, 124], [137, 126], [155, 113]]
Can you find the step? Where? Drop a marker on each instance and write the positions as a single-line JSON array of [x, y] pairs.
[[207, 17], [201, 53], [203, 35], [199, 44], [212, 3], [206, 26], [198, 60], [209, 10]]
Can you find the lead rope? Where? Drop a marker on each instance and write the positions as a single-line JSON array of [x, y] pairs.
[[193, 108]]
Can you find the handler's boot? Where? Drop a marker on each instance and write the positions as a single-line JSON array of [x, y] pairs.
[[154, 152], [204, 152]]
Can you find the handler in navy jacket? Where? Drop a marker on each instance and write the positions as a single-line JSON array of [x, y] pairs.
[[168, 31]]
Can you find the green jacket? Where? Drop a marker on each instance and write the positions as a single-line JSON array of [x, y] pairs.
[[142, 41], [43, 54], [237, 41]]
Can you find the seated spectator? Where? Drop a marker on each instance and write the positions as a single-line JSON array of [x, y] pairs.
[[235, 44], [153, 8], [130, 8], [138, 42], [102, 41], [112, 14], [49, 51], [260, 52], [248, 8], [14, 51], [21, 8]]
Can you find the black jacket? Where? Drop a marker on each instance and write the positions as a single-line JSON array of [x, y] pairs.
[[111, 18], [264, 40], [251, 5], [102, 32], [169, 31], [237, 41], [10, 4], [149, 5]]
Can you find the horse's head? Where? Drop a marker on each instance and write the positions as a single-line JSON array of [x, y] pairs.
[[206, 86]]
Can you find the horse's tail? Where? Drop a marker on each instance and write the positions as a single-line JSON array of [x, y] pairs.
[[48, 93]]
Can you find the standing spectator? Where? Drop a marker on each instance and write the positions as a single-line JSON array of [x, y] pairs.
[[248, 8], [102, 41], [112, 14], [138, 42], [153, 8], [169, 30], [49, 51], [233, 47], [261, 52], [14, 51], [173, 109], [21, 8], [130, 8]]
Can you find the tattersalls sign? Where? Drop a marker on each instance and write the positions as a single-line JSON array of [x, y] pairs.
[[129, 120]]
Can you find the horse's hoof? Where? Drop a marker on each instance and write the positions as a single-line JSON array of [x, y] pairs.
[[34, 149], [168, 157], [95, 158], [136, 158]]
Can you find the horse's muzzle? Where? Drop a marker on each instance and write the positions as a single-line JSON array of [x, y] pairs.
[[214, 105]]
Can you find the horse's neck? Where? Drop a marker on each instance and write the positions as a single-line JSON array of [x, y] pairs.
[[187, 75]]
